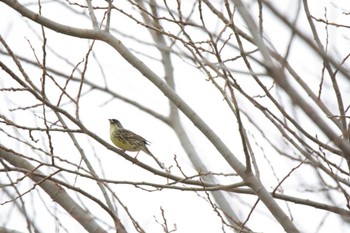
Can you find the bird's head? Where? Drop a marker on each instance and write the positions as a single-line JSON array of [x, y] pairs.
[[115, 123]]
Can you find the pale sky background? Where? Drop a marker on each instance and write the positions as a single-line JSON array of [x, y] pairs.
[[185, 209]]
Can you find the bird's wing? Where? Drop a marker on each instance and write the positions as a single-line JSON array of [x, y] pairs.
[[127, 135]]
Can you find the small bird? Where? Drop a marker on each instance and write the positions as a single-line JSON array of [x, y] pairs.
[[128, 140]]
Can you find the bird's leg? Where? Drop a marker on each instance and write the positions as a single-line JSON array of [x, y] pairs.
[[137, 154]]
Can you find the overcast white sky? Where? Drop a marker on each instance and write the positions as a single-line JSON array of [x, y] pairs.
[[187, 210]]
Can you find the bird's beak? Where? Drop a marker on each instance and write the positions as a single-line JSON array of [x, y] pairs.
[[110, 120]]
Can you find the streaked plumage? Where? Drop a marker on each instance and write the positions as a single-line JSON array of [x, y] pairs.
[[128, 140]]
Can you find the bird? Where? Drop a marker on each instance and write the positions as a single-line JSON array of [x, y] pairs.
[[128, 140]]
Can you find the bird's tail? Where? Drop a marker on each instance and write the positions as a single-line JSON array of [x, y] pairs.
[[146, 150]]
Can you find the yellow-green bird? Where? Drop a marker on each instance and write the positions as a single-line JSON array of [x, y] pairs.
[[128, 140]]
